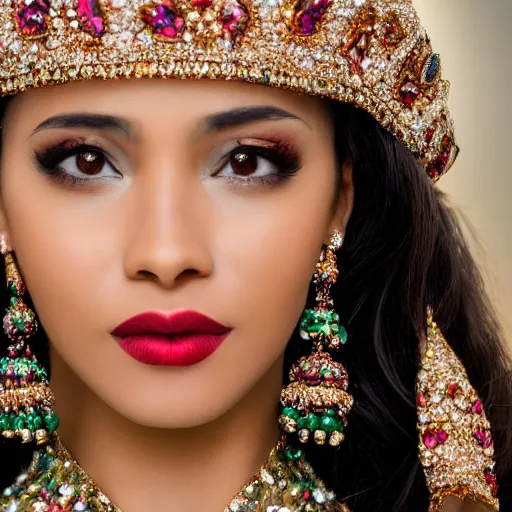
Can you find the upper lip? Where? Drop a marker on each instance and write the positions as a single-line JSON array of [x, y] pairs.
[[177, 322]]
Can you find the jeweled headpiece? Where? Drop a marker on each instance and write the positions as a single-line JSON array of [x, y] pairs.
[[371, 53]]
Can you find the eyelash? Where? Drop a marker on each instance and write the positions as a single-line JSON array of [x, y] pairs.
[[49, 160], [282, 155]]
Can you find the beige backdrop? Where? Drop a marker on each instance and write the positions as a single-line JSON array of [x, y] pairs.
[[474, 38]]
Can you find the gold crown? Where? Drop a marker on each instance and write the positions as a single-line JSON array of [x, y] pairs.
[[372, 53]]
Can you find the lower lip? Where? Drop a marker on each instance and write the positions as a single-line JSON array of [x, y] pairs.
[[167, 350]]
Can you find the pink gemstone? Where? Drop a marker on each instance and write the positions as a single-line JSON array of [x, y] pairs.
[[429, 439], [92, 17], [441, 436], [32, 17], [408, 93], [308, 15], [483, 438], [164, 20], [477, 407], [234, 18]]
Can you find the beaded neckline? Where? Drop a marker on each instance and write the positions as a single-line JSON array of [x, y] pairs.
[[55, 482]]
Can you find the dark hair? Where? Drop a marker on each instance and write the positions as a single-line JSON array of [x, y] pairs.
[[403, 250]]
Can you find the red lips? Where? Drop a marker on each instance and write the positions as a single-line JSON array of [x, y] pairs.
[[182, 338]]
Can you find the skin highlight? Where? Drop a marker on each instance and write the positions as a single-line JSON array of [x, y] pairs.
[[169, 234]]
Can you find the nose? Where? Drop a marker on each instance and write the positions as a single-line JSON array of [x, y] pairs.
[[168, 236]]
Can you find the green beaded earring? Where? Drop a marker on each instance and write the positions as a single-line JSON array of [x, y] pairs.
[[26, 401], [316, 402]]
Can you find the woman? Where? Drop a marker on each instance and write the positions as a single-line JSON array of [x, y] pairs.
[[163, 235]]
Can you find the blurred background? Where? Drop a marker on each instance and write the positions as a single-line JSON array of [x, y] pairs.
[[474, 38]]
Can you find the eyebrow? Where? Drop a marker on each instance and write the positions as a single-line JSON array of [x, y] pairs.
[[213, 123], [94, 121], [245, 115]]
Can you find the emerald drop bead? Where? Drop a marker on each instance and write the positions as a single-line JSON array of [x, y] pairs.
[[34, 422], [52, 422], [5, 424], [330, 412], [312, 421], [342, 335], [291, 413], [19, 421], [329, 424]]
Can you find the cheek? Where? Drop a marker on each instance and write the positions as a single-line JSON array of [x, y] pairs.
[[269, 252], [64, 243]]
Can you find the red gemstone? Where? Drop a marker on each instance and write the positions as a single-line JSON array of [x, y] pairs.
[[429, 135], [201, 3], [477, 407], [234, 18], [490, 478], [163, 18], [307, 494], [393, 30], [92, 17], [55, 508], [422, 402], [32, 17], [408, 93], [452, 390]]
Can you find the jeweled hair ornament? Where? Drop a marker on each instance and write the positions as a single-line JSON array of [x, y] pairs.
[[371, 53]]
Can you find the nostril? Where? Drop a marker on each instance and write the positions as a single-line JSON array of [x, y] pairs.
[[146, 274]]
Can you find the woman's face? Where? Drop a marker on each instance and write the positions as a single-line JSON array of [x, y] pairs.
[[124, 197]]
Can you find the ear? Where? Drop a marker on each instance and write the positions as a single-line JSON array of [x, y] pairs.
[[344, 202]]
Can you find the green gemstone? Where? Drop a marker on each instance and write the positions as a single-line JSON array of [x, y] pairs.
[[342, 335], [34, 422], [330, 412], [291, 413], [5, 424], [52, 422], [12, 288], [312, 421], [328, 424], [19, 421], [293, 453]]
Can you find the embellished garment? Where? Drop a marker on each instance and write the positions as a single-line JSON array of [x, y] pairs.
[[456, 446], [54, 482]]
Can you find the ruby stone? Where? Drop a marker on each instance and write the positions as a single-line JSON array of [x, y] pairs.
[[234, 18], [92, 17], [32, 17], [309, 14], [164, 20]]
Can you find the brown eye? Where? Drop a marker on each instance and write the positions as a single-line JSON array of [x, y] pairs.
[[90, 163], [244, 164]]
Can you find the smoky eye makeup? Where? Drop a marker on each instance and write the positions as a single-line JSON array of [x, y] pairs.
[[76, 163], [256, 161], [243, 162]]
